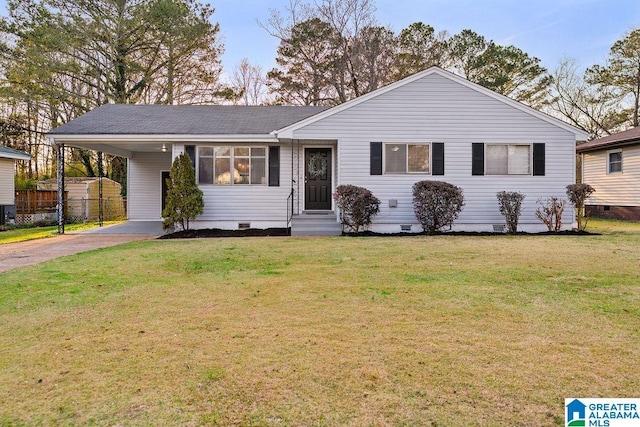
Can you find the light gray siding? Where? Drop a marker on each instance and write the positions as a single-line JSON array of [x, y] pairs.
[[7, 184], [438, 109], [615, 189], [145, 185]]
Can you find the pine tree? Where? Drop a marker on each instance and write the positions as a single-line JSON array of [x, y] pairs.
[[184, 198]]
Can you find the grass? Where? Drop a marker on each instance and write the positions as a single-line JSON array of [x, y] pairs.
[[24, 234], [323, 331]]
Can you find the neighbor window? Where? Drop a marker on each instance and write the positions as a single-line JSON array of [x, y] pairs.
[[406, 158], [232, 165], [508, 159], [615, 161]]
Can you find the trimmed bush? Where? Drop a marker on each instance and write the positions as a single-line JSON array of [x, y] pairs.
[[550, 212], [357, 205], [184, 198], [510, 204], [436, 204], [578, 195]]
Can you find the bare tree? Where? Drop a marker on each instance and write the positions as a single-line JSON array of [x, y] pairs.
[[249, 83]]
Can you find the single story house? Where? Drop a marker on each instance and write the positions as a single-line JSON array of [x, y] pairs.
[[611, 165], [275, 166], [8, 157]]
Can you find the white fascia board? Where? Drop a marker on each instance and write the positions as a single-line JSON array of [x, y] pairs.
[[13, 156], [287, 132], [90, 139]]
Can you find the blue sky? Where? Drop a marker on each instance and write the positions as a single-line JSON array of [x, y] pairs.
[[547, 29]]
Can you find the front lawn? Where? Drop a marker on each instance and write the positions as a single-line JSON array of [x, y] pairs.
[[22, 234], [445, 330]]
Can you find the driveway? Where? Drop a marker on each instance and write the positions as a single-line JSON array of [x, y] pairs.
[[21, 254]]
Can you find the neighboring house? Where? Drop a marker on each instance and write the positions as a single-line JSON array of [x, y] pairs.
[[8, 157], [83, 197], [611, 165], [257, 165]]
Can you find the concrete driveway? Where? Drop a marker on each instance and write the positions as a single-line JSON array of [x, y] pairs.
[[21, 254]]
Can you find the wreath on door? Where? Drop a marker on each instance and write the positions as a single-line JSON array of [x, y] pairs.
[[317, 166]]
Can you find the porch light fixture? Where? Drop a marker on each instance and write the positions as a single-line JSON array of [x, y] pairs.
[[164, 148]]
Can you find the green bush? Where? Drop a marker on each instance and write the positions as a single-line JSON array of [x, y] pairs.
[[184, 198], [578, 195], [357, 205], [510, 204], [436, 204]]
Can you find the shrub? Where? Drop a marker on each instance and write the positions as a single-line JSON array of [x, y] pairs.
[[436, 204], [510, 204], [550, 212], [184, 198], [578, 195], [358, 206]]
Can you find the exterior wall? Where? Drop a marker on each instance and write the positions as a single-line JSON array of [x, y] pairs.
[[615, 189], [225, 206], [437, 109], [7, 183], [144, 185]]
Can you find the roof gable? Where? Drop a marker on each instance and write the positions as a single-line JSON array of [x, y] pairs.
[[128, 119], [288, 131]]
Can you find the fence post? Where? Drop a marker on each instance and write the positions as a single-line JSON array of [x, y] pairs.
[[60, 206]]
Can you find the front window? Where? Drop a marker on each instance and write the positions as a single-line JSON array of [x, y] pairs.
[[232, 165], [615, 161], [508, 159], [406, 158]]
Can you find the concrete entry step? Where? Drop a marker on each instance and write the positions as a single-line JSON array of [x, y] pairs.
[[316, 223]]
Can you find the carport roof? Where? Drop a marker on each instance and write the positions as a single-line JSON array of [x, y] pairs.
[[127, 119]]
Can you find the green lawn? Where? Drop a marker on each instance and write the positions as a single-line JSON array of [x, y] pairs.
[[445, 330], [33, 233]]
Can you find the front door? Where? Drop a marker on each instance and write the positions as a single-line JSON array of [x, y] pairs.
[[165, 188], [317, 179]]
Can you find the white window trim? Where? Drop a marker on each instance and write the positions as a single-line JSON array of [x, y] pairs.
[[486, 160], [231, 160], [609, 153], [406, 166]]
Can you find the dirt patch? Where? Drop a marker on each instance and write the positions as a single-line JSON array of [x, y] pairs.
[[216, 232]]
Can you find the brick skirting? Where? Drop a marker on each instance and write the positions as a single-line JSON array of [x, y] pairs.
[[631, 213]]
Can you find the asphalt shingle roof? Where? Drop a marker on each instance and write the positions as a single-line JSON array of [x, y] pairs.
[[10, 153], [121, 119], [622, 138]]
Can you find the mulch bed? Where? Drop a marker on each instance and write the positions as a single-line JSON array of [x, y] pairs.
[[268, 232]]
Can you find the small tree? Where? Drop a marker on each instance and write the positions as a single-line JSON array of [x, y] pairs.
[[510, 204], [550, 212], [578, 195], [184, 198], [436, 204], [357, 205]]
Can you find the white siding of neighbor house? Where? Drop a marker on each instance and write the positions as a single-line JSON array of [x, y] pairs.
[[7, 183], [615, 189], [437, 109], [145, 185]]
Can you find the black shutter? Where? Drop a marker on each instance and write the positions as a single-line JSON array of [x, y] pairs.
[[477, 159], [274, 166], [538, 160], [191, 151], [437, 158], [376, 158]]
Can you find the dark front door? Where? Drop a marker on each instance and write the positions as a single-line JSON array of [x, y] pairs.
[[165, 188], [317, 178]]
